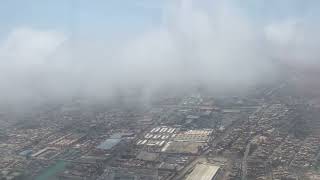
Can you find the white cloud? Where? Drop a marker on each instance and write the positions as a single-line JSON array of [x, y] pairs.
[[214, 45], [294, 41], [27, 46]]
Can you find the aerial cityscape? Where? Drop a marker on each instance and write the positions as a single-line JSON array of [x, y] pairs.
[[270, 133], [159, 90]]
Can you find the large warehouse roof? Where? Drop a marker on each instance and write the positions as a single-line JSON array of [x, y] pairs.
[[108, 144], [203, 172]]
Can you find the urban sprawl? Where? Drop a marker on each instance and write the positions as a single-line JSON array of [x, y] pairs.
[[270, 133]]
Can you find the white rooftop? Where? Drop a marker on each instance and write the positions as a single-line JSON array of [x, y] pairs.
[[203, 172]]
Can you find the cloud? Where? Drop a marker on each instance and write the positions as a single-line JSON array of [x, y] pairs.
[[217, 47], [213, 45], [28, 47], [295, 41], [23, 56]]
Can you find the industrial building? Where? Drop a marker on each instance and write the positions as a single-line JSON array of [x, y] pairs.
[[67, 140], [194, 135], [108, 144], [147, 156], [191, 148], [46, 153], [119, 173], [157, 136], [204, 172], [113, 140]]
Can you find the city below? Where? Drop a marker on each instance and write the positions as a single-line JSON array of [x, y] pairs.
[[159, 90], [272, 132]]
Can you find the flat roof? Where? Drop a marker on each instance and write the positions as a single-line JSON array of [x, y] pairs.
[[231, 110], [203, 172], [108, 144], [147, 156], [182, 147]]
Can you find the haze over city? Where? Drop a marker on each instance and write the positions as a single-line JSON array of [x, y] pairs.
[[159, 90], [57, 49]]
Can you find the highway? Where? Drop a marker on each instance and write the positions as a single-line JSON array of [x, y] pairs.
[[244, 162]]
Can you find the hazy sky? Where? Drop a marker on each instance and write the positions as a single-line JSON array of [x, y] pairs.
[[128, 16], [57, 48]]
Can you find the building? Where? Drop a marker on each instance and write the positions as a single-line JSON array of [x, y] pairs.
[[147, 156], [190, 148], [204, 172], [194, 135], [121, 173], [108, 144]]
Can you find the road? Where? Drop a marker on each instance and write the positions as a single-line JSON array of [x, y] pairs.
[[244, 162]]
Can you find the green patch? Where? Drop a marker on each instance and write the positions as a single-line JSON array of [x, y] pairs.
[[316, 167], [51, 172]]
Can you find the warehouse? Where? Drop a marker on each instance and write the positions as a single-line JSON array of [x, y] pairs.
[[108, 144], [204, 172], [194, 135], [191, 148]]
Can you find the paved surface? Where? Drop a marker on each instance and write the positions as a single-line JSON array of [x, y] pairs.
[[244, 162]]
